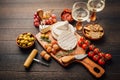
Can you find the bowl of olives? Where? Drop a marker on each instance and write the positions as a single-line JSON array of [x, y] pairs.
[[25, 40]]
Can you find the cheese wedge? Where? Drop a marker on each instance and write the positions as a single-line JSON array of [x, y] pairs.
[[44, 29]]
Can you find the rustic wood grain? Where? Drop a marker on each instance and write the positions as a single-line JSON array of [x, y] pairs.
[[16, 16]]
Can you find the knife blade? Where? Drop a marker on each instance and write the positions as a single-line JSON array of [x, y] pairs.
[[67, 59], [80, 56]]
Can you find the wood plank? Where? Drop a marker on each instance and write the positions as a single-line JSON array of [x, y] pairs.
[[52, 76], [27, 9]]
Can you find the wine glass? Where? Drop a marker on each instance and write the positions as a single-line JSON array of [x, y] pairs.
[[95, 6], [80, 13]]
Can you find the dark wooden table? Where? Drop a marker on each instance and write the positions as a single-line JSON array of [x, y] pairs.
[[16, 16]]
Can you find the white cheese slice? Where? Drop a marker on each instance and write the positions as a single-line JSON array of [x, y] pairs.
[[45, 28]]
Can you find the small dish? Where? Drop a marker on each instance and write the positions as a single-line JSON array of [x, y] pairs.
[[93, 31], [25, 40], [67, 15]]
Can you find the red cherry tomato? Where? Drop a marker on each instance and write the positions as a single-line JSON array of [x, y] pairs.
[[36, 20], [96, 50], [50, 20], [36, 24], [101, 61], [82, 38], [84, 46], [108, 56], [101, 54], [53, 16], [35, 14], [91, 47], [91, 54], [80, 43], [96, 57], [87, 42], [54, 20]]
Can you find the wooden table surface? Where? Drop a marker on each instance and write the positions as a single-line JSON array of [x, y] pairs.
[[16, 16]]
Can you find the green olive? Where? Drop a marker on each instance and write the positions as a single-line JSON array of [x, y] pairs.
[[42, 35], [32, 38], [21, 35], [26, 42], [18, 41], [20, 38], [28, 34], [29, 44], [22, 41], [46, 36], [23, 45]]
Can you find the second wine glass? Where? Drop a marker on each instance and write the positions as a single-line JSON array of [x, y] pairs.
[[95, 6], [80, 13]]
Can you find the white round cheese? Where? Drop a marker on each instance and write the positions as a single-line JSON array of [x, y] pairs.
[[60, 27], [67, 40]]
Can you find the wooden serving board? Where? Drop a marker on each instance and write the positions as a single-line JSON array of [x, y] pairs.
[[94, 68]]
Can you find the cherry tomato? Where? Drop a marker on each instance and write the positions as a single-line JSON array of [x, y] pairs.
[[84, 46], [96, 57], [91, 47], [87, 42], [46, 21], [36, 20], [35, 14], [101, 61], [50, 20], [91, 54], [54, 20], [36, 24], [80, 43], [108, 56], [53, 16], [82, 38], [96, 50], [101, 54]]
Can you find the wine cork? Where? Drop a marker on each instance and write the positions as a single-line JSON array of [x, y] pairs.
[[30, 58], [47, 57], [44, 55]]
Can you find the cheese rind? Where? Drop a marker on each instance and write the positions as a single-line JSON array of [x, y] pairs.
[[67, 40], [60, 27]]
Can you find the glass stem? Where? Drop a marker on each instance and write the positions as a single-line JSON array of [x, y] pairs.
[[93, 16], [79, 25]]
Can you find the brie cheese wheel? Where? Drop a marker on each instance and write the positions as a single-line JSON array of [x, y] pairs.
[[60, 27], [67, 40]]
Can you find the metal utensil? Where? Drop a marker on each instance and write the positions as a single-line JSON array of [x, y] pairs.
[[67, 59]]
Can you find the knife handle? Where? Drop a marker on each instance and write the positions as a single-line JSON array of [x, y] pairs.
[[94, 68], [67, 59]]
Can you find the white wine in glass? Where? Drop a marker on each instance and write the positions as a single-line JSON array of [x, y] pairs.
[[95, 6], [80, 13]]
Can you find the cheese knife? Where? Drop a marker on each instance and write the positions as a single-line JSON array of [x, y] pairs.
[[67, 59]]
